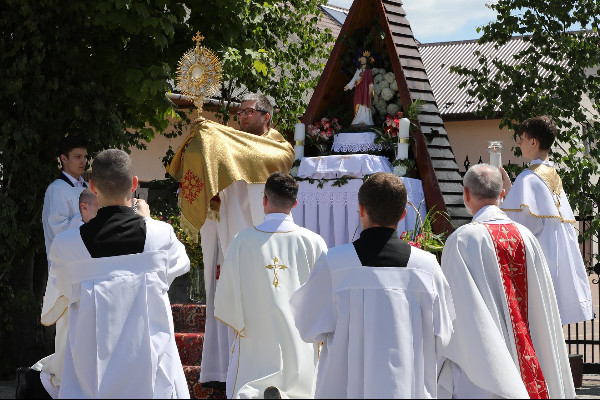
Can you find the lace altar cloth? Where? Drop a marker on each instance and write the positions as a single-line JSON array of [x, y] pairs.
[[332, 211], [355, 142], [332, 167]]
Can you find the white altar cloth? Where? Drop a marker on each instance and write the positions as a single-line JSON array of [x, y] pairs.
[[332, 211], [355, 142], [332, 167]]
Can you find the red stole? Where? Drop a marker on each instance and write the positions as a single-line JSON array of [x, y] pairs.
[[510, 251], [362, 94]]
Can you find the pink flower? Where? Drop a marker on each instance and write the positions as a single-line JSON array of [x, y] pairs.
[[415, 244], [399, 114]]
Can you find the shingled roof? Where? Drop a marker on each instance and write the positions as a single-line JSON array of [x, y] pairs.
[[435, 160]]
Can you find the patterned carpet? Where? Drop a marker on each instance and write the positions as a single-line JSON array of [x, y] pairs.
[[189, 320]]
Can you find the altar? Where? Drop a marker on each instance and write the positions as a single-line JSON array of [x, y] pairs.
[[328, 205]]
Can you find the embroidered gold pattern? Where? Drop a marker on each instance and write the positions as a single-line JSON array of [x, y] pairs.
[[275, 267], [559, 216]]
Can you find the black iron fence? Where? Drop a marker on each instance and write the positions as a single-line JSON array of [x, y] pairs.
[[584, 337]]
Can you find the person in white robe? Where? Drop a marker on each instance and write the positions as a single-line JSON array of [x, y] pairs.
[[508, 340], [239, 207], [538, 201], [114, 273], [264, 265], [382, 309], [60, 212]]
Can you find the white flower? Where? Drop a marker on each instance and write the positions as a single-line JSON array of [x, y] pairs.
[[387, 94], [384, 83], [394, 86], [399, 170], [381, 107], [392, 109], [377, 89], [377, 78], [390, 77]]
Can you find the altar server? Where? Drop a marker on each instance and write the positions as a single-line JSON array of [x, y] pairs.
[[60, 212], [61, 200], [508, 341], [538, 201], [263, 267], [114, 273], [381, 308]]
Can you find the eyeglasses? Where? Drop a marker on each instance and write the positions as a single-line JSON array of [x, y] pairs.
[[248, 112]]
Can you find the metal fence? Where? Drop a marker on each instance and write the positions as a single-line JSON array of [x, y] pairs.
[[584, 337]]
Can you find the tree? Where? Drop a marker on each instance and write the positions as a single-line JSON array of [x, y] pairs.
[[101, 70], [551, 76]]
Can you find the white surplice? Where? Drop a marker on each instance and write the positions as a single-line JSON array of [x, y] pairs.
[[530, 202], [483, 343], [121, 341], [263, 267], [241, 208], [382, 328], [59, 213]]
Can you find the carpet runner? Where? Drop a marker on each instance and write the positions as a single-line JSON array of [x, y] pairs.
[[189, 320]]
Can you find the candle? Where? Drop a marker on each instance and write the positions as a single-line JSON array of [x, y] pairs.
[[298, 152], [299, 132], [403, 140], [495, 150]]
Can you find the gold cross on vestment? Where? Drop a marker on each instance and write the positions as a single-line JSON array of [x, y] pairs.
[[275, 267]]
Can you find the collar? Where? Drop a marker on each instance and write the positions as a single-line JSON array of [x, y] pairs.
[[489, 214], [75, 182], [277, 222], [378, 233], [546, 163], [110, 210]]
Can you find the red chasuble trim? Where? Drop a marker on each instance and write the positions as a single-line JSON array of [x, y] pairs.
[[510, 251]]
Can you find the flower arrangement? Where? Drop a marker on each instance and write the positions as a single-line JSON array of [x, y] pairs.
[[422, 236], [386, 100], [320, 134], [390, 127]]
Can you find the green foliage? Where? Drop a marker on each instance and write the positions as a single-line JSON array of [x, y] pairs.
[[551, 76], [101, 70], [269, 46]]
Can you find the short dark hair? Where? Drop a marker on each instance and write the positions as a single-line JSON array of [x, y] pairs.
[[262, 103], [71, 142], [112, 173], [541, 128], [384, 198], [281, 190], [86, 197]]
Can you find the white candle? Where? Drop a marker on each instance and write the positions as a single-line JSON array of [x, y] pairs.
[[298, 152], [403, 139], [299, 132], [495, 150]]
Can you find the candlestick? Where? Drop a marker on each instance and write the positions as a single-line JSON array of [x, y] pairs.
[[495, 150]]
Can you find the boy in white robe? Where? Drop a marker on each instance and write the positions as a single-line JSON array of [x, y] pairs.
[[114, 273], [381, 308], [60, 212], [263, 267], [508, 341], [538, 201]]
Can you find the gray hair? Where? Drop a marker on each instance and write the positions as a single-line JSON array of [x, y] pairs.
[[484, 181], [112, 173], [262, 103]]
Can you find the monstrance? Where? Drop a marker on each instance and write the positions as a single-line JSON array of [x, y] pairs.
[[199, 73]]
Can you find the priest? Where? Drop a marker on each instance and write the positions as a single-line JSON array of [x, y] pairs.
[[381, 308], [538, 201], [113, 273], [263, 267], [222, 172], [508, 340]]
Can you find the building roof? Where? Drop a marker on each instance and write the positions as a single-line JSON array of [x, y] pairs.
[[439, 57]]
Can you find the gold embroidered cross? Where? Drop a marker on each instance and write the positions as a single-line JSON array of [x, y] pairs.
[[198, 38], [275, 267]]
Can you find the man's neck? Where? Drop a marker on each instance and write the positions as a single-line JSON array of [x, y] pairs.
[[76, 177], [542, 155]]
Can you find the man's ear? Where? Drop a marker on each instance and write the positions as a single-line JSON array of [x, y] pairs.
[[295, 204], [467, 194], [361, 210], [403, 215], [134, 184], [93, 187]]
